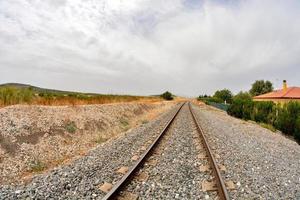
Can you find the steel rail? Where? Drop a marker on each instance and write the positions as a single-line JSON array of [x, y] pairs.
[[222, 191], [118, 186]]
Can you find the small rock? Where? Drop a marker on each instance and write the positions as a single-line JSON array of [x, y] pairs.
[[18, 191]]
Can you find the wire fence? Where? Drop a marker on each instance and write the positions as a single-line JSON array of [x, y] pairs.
[[220, 106]]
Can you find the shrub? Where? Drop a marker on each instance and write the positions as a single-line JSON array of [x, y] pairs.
[[214, 99], [100, 139], [37, 166], [167, 96], [124, 122], [262, 111], [283, 120], [293, 108], [71, 127], [297, 130], [208, 99], [241, 108], [145, 121], [287, 116]]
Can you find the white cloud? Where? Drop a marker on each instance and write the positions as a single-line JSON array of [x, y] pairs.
[[145, 47]]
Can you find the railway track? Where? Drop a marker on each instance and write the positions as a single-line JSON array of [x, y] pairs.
[[218, 180], [217, 183]]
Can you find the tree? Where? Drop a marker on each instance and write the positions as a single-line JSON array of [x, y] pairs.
[[167, 96], [243, 96], [261, 87], [241, 106], [203, 97], [224, 95]]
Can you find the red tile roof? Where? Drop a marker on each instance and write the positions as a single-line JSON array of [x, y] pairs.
[[289, 93]]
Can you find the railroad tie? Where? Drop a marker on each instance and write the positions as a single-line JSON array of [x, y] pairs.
[[105, 187]]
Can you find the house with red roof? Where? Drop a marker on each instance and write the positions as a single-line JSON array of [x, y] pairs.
[[286, 94]]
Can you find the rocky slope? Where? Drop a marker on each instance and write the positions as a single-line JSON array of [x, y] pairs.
[[37, 138]]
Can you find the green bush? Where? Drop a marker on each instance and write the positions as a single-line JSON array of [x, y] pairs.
[[167, 96], [71, 127], [297, 130], [287, 116], [245, 108], [241, 108], [262, 111], [283, 120], [214, 99], [273, 115], [208, 99]]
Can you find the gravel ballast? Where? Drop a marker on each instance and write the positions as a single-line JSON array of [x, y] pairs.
[[177, 174], [262, 164]]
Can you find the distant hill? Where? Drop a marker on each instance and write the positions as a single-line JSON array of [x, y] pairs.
[[53, 91], [41, 90], [17, 85]]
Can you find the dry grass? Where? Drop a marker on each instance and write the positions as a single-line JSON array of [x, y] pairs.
[[37, 165], [99, 100], [12, 96], [100, 139], [268, 126]]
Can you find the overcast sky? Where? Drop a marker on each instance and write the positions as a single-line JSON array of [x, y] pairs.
[[189, 47]]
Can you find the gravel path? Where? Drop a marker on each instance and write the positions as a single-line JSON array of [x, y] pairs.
[[176, 174], [263, 164], [81, 179]]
